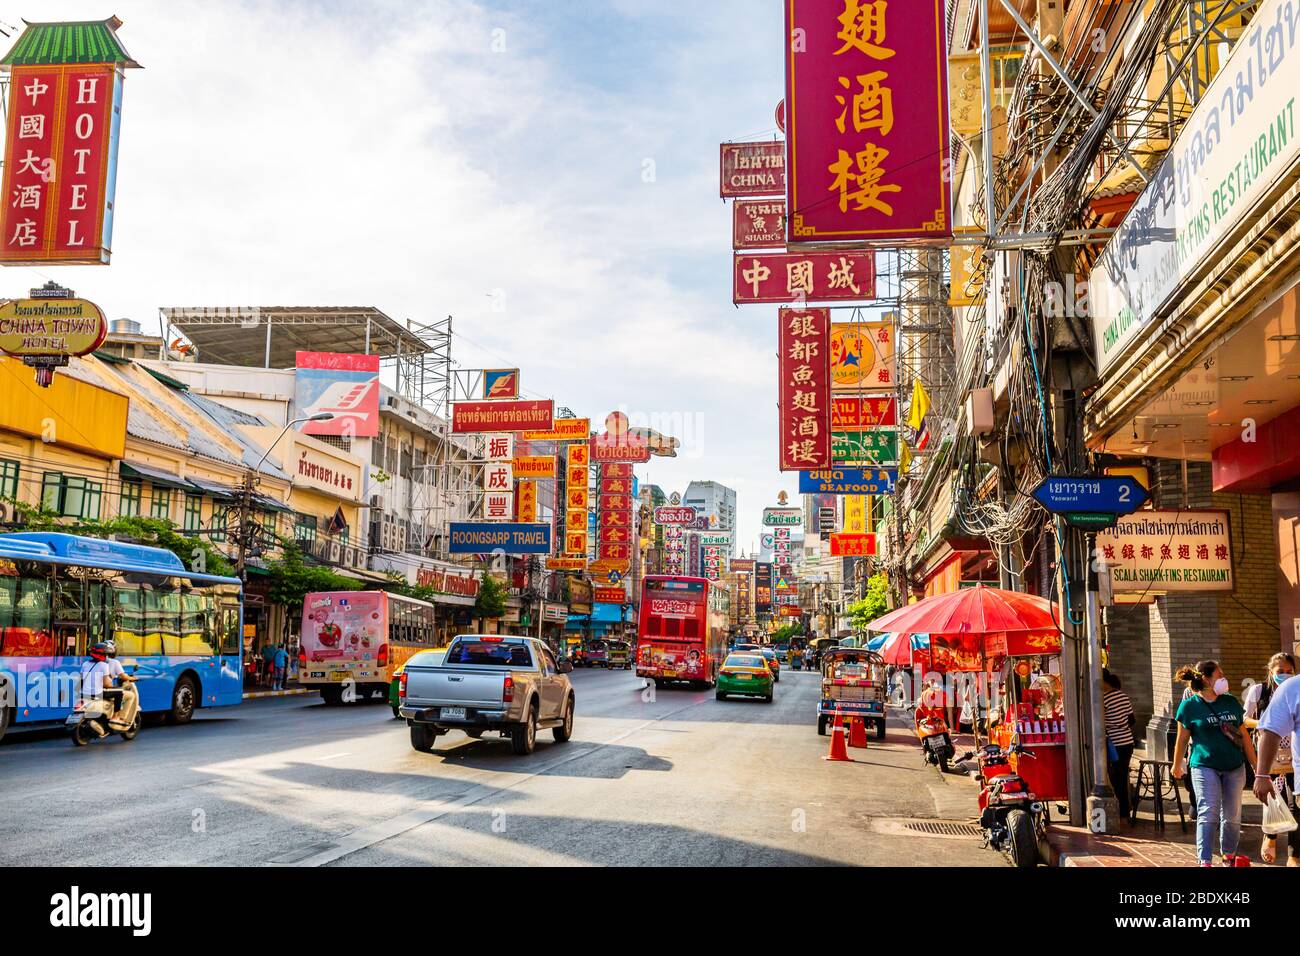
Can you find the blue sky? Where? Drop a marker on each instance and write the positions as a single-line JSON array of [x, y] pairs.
[[555, 159]]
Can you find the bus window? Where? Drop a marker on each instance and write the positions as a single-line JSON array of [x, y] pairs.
[[196, 634], [71, 617], [692, 629], [130, 634], [25, 617], [229, 629]]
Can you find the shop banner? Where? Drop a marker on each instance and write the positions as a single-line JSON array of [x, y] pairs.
[[782, 517], [526, 501], [763, 588], [1240, 138], [752, 169], [563, 429], [864, 166], [566, 564], [848, 481], [534, 466], [1021, 644], [345, 386], [758, 224], [507, 416], [804, 389], [610, 596], [1156, 550], [875, 448], [790, 278], [676, 516], [855, 514], [742, 566], [478, 538], [863, 413], [853, 545], [500, 383], [60, 164], [862, 356], [500, 447]]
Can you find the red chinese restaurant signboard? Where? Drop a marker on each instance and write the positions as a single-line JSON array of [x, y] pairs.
[[752, 169], [616, 531], [787, 278], [863, 413], [853, 545], [864, 165], [805, 389], [758, 224], [502, 416]]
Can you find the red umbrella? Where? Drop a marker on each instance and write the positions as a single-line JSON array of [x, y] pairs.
[[977, 610]]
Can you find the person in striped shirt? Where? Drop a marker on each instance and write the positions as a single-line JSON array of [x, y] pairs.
[[1120, 720]]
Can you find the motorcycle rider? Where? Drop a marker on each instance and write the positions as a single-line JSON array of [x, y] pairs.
[[98, 675]]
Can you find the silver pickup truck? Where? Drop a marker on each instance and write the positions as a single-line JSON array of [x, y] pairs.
[[512, 685]]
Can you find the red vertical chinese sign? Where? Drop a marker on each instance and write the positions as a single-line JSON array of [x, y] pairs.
[[867, 121], [616, 512], [60, 164], [805, 389]]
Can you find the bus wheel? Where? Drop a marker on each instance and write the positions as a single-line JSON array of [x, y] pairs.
[[183, 702]]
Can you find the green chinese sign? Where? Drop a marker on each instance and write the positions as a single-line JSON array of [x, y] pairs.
[[875, 447]]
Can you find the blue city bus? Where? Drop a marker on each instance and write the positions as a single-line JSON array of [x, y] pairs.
[[178, 631]]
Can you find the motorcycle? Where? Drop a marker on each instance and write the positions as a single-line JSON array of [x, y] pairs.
[[1012, 818], [936, 740], [116, 712]]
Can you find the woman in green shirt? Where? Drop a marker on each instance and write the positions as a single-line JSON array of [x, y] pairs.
[[1212, 724]]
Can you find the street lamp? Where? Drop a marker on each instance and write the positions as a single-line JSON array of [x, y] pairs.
[[246, 498]]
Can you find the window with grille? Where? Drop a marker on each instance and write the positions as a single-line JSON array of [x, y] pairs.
[[71, 495], [129, 498], [8, 479]]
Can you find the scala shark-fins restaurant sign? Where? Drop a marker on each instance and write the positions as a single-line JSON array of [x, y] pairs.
[[61, 143], [867, 121]]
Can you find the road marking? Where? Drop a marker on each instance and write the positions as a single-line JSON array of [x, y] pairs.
[[346, 753], [387, 829]]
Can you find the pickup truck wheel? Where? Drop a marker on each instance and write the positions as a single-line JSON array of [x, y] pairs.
[[423, 737], [523, 738], [563, 732]]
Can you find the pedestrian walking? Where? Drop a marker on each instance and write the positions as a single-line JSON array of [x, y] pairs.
[[1279, 774], [1214, 741], [1120, 722]]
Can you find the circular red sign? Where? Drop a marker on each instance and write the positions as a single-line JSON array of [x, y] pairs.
[[780, 116]]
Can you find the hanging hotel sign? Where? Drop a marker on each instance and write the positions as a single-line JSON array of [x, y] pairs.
[[758, 224], [752, 169], [51, 327], [790, 277], [60, 163], [866, 166], [508, 416], [862, 356], [1150, 551], [804, 389], [1239, 139]]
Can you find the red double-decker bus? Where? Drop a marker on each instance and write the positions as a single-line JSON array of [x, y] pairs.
[[678, 638]]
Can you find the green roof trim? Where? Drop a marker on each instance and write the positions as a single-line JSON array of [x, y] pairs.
[[167, 379], [52, 44]]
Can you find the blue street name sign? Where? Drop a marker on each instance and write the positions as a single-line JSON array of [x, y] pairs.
[[1095, 494]]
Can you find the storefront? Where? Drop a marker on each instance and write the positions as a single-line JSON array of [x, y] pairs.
[[1195, 305]]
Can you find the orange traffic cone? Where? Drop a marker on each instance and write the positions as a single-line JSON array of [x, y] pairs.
[[838, 750], [857, 732]]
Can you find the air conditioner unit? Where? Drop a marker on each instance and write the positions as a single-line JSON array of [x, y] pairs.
[[377, 501]]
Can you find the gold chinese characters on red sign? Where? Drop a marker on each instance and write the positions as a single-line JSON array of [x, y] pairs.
[[805, 389]]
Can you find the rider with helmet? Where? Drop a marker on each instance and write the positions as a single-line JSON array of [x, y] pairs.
[[103, 671]]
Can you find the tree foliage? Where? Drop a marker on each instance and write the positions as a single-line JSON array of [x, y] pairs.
[[292, 579], [491, 600], [877, 602], [786, 631]]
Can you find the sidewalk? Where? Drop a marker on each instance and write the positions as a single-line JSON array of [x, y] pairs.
[[288, 692]]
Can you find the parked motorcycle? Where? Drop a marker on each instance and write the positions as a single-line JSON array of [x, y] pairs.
[[116, 712], [1012, 818], [936, 740]]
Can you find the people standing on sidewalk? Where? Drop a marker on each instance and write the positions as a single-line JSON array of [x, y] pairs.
[[1211, 725], [280, 663], [1278, 707], [1120, 721]]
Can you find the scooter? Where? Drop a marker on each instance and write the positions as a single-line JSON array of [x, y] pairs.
[[936, 740], [1010, 816], [96, 717]]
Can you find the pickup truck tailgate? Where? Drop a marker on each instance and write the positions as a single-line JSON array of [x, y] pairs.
[[471, 686]]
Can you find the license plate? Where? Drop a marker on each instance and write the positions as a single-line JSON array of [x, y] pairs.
[[340, 675], [670, 673], [452, 713], [744, 676]]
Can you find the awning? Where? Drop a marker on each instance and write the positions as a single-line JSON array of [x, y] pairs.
[[270, 504], [216, 490], [157, 476], [359, 575]]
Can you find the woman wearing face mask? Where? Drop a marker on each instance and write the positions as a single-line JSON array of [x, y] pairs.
[[1212, 724], [1280, 668]]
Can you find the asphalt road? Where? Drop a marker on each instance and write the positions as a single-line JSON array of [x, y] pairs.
[[671, 777]]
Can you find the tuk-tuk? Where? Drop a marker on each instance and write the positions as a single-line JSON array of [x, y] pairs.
[[597, 653], [619, 655], [853, 685]]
